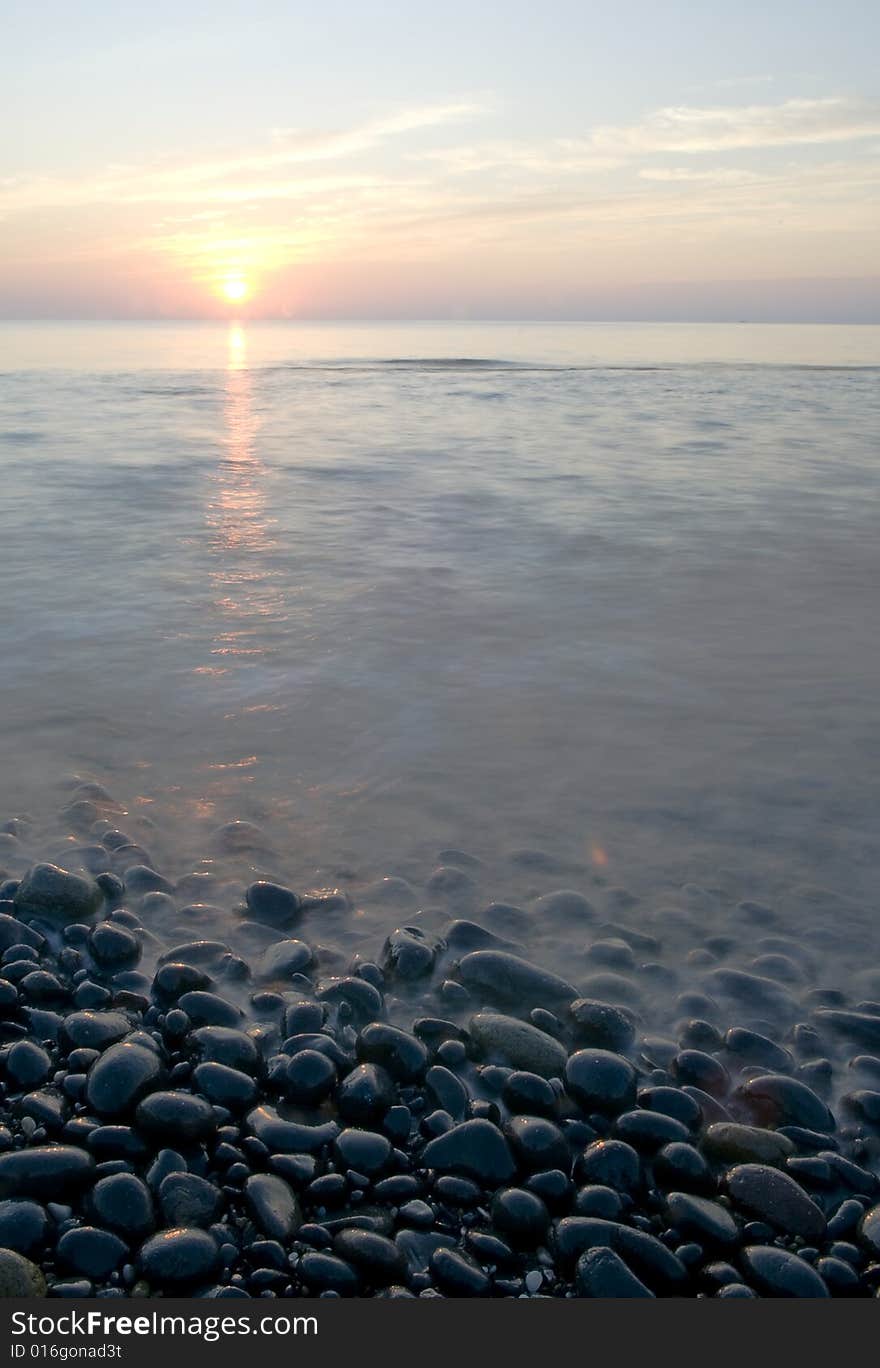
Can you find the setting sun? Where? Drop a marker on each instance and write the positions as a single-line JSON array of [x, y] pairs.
[[234, 289]]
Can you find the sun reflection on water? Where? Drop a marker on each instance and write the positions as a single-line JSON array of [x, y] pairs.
[[242, 529]]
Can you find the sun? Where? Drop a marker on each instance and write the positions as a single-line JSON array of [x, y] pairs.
[[235, 289]]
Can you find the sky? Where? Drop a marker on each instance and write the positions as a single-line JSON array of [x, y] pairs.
[[353, 159]]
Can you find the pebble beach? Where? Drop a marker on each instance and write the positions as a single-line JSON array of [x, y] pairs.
[[204, 1094]]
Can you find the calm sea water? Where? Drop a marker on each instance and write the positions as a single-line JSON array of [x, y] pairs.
[[606, 593]]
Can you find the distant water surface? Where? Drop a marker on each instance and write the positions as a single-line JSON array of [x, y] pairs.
[[607, 593]]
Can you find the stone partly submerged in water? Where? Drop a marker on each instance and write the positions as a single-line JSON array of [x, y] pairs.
[[507, 979], [50, 892], [272, 904]]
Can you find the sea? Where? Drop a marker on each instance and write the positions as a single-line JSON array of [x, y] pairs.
[[550, 606]]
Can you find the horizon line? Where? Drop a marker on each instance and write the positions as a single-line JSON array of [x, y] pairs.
[[239, 321]]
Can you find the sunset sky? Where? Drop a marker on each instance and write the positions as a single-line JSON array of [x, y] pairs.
[[497, 160]]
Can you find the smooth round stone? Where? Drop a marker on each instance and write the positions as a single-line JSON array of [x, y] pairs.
[[27, 1065], [389, 891], [225, 1087], [52, 893], [521, 1216], [284, 959], [602, 1273], [239, 838], [839, 1276], [23, 1225], [209, 1009], [777, 1273], [327, 1273], [774, 1197], [601, 1025], [176, 1258], [566, 905], [700, 1070], [271, 903], [528, 1094], [457, 1192], [458, 1274], [93, 1030], [377, 1258], [731, 1143], [610, 987], [199, 954], [364, 1151], [90, 1251], [702, 1220], [698, 1034], [446, 1091], [114, 947], [505, 978], [19, 1277], [537, 1143], [172, 980], [672, 1102], [611, 1163], [122, 1202], [274, 1206], [303, 1018], [46, 1172], [365, 1094], [407, 954], [185, 1199], [680, 1166], [648, 1130], [597, 1200], [309, 1077], [506, 1040], [402, 1055], [612, 952], [476, 1149], [363, 999], [862, 1028], [447, 881], [181, 1118], [225, 1045], [42, 987], [750, 1047], [139, 878], [121, 1077], [779, 1101], [863, 1105], [601, 1081]]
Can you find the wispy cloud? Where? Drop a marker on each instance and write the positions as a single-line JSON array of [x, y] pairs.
[[236, 177], [717, 175], [686, 128]]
